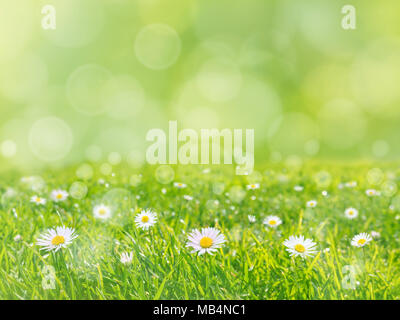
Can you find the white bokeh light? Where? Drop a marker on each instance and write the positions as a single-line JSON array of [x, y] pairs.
[[114, 158], [136, 158], [236, 193], [294, 162], [165, 174], [78, 190], [389, 188], [218, 187], [29, 78], [380, 148], [319, 24], [375, 176], [50, 139], [84, 171], [311, 147], [8, 148], [78, 23], [323, 179], [219, 79], [135, 180], [254, 177], [106, 169], [85, 89], [123, 97], [93, 153], [157, 46]]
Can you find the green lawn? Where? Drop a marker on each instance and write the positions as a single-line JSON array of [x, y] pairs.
[[253, 263]]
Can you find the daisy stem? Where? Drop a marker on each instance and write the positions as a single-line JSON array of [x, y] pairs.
[[207, 273], [295, 275], [62, 257], [364, 260], [59, 260], [55, 260], [151, 234]]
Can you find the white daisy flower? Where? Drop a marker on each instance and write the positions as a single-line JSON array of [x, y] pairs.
[[311, 203], [371, 192], [17, 238], [324, 193], [10, 193], [187, 197], [375, 234], [351, 184], [59, 195], [298, 188], [101, 211], [56, 239], [38, 200], [27, 179], [253, 186], [361, 240], [351, 213], [252, 219], [146, 219], [179, 185], [298, 246], [126, 257], [208, 240], [272, 221]]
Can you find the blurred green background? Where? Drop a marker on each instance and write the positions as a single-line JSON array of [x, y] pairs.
[[113, 69]]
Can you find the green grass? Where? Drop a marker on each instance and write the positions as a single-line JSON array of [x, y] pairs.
[[253, 263]]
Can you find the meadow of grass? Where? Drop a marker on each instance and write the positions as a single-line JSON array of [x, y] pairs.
[[253, 263]]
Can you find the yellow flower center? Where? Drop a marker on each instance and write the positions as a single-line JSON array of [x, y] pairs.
[[102, 211], [38, 199], [272, 222], [145, 219], [57, 240], [299, 248], [59, 196], [361, 241], [351, 212], [206, 242]]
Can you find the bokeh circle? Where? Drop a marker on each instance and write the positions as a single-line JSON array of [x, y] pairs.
[[157, 46], [50, 139]]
